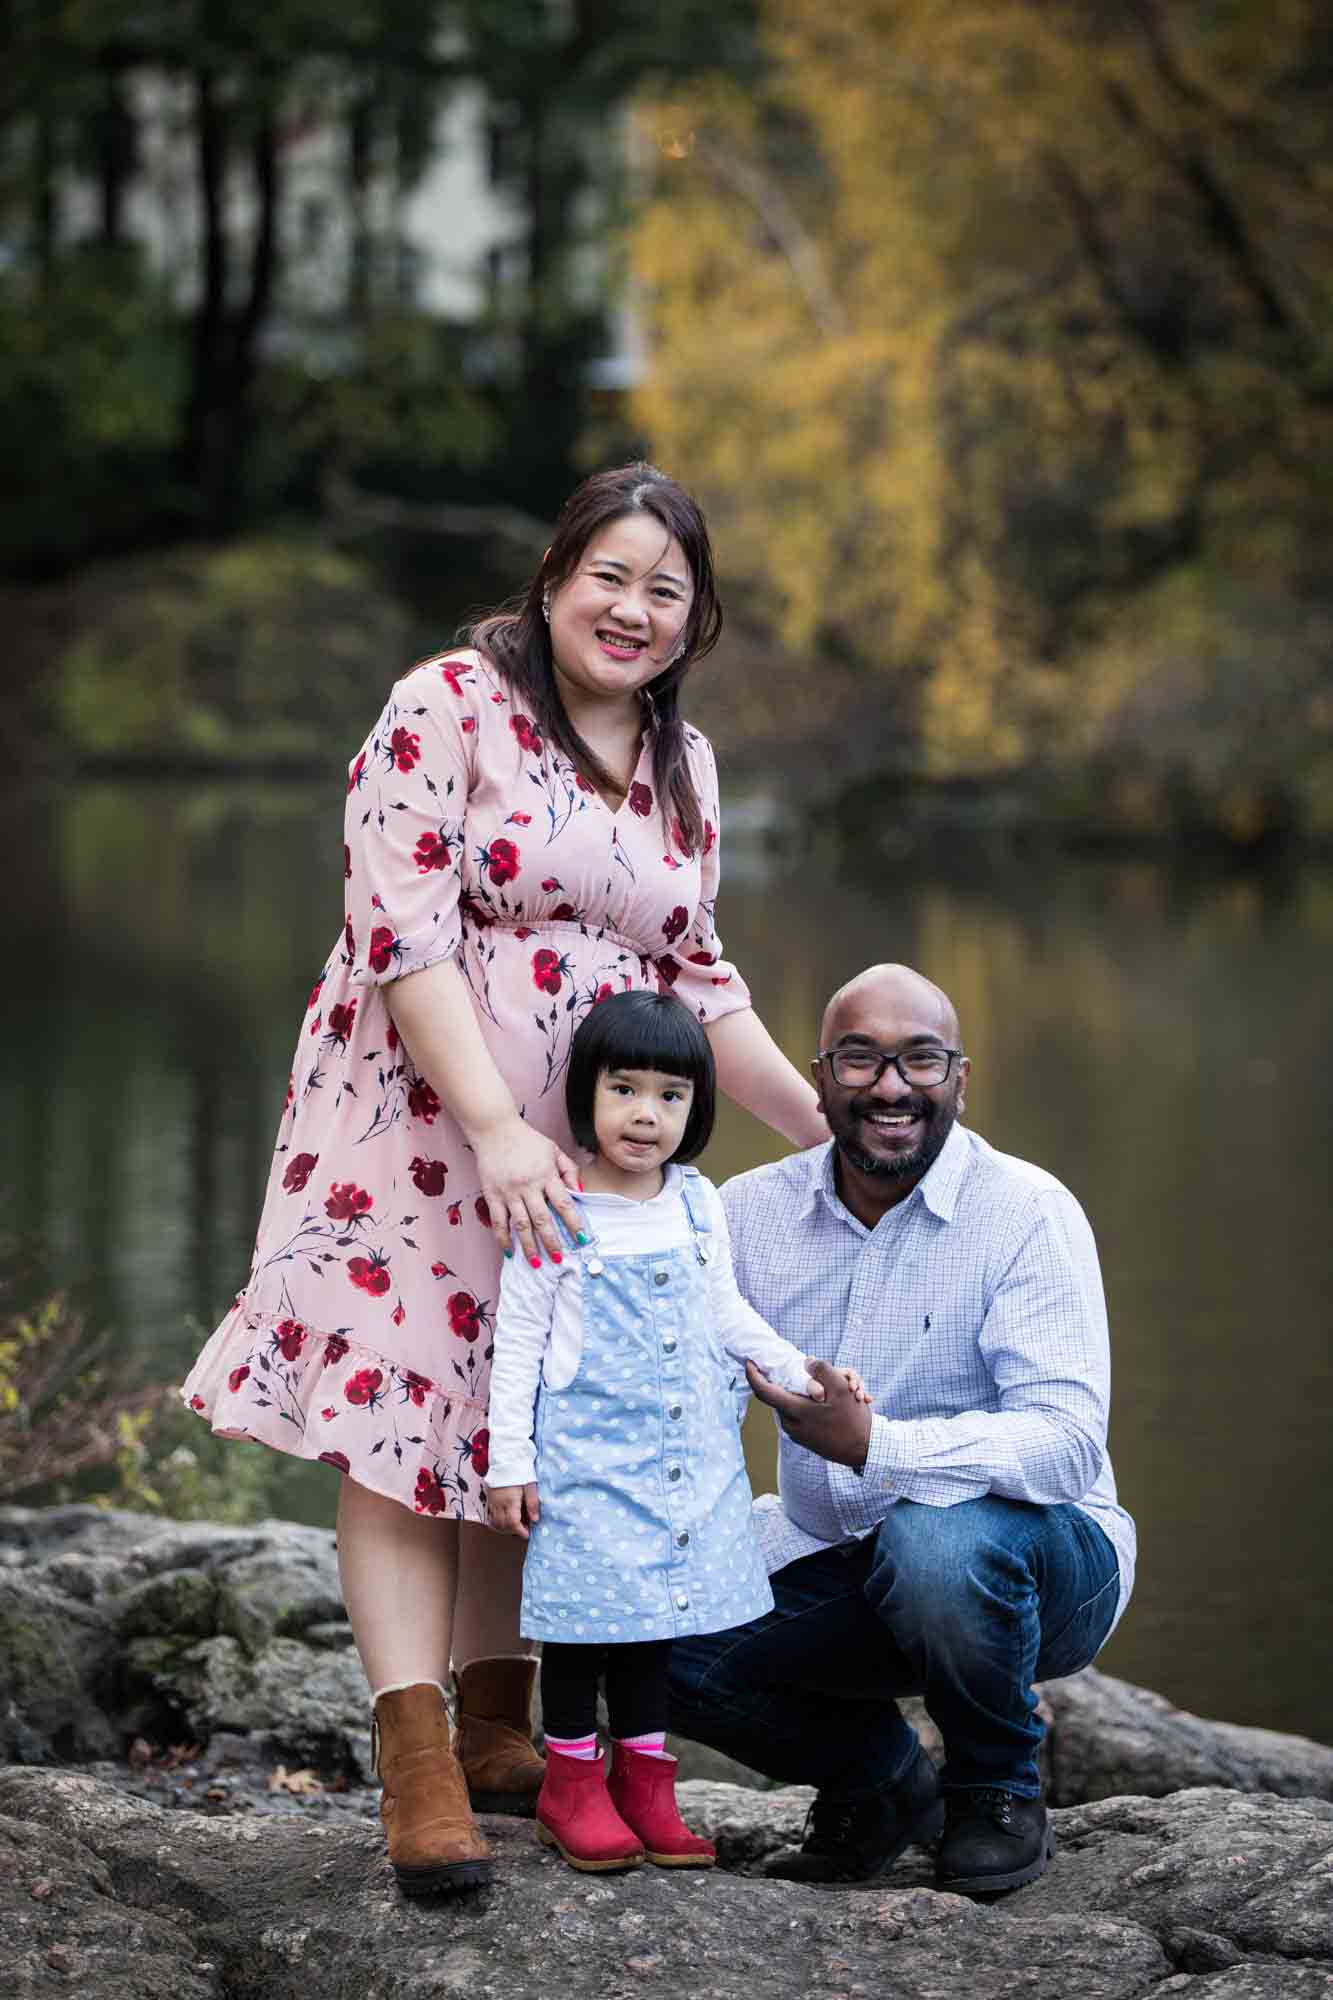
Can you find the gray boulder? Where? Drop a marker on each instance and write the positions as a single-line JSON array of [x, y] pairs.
[[1208, 1893]]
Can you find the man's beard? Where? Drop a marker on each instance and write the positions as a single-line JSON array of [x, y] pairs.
[[905, 1166]]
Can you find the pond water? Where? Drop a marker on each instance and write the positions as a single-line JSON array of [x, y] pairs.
[[1159, 1042]]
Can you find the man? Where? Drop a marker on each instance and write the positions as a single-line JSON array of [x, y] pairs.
[[960, 1539]]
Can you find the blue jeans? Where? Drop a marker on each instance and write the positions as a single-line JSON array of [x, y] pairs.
[[965, 1605]]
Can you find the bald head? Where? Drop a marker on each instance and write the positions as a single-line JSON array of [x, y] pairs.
[[885, 992]]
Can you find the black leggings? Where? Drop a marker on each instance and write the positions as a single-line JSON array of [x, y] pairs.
[[636, 1688]]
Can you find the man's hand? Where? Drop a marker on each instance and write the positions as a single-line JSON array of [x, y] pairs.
[[511, 1508], [837, 1428]]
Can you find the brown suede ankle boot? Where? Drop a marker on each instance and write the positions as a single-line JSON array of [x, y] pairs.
[[434, 1842], [494, 1707]]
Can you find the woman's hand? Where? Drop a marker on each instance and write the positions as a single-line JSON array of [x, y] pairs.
[[511, 1509], [523, 1177]]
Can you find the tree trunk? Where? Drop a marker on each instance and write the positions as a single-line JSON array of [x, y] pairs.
[[203, 443]]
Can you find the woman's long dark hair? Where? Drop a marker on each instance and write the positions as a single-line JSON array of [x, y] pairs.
[[518, 641]]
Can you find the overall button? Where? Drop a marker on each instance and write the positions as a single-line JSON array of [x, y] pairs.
[[673, 1473], [669, 1344], [682, 1602], [674, 1413], [660, 1277], [683, 1540]]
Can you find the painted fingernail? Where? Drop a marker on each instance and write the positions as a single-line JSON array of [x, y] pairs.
[[536, 1263], [509, 1253], [582, 1236], [580, 1187], [556, 1257]]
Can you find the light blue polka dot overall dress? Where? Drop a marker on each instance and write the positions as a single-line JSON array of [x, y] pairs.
[[645, 1528]]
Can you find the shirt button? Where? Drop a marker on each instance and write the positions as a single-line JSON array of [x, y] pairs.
[[660, 1277], [683, 1540], [682, 1602], [669, 1344], [674, 1413], [673, 1473]]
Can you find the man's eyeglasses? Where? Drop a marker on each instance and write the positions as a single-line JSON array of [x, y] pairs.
[[857, 1069]]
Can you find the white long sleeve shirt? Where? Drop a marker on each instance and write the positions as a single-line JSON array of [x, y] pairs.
[[539, 1320]]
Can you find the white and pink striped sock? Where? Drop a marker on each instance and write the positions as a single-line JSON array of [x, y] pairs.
[[574, 1746], [651, 1745]]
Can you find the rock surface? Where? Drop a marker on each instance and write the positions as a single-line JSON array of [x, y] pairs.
[[117, 1626], [1211, 1894]]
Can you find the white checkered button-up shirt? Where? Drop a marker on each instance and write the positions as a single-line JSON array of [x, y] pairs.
[[974, 1312]]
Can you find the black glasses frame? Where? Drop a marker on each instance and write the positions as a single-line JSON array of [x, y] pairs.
[[882, 1059]]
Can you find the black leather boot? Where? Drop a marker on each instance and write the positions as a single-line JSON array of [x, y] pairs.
[[853, 1840], [993, 1841]]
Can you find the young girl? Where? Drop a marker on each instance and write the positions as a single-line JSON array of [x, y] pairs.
[[614, 1442]]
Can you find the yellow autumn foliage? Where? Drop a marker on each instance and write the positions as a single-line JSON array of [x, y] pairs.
[[996, 339]]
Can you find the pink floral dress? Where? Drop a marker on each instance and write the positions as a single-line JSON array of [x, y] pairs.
[[363, 1338]]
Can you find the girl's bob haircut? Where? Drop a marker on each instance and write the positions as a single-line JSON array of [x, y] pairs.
[[642, 1031]]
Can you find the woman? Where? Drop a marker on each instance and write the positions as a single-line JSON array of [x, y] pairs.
[[530, 827]]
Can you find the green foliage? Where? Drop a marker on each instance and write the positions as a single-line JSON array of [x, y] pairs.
[[167, 1463], [66, 1397], [91, 373]]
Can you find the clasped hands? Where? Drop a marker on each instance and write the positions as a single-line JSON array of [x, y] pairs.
[[835, 1424]]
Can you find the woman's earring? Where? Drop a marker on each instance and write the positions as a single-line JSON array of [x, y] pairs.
[[546, 606]]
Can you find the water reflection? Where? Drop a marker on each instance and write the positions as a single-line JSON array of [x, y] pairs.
[[1157, 1043]]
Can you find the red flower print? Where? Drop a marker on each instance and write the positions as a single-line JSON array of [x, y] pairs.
[[235, 1379], [640, 800], [430, 1495], [334, 1349], [335, 1458], [349, 939], [432, 852], [549, 884], [364, 1386], [399, 1313], [529, 737], [369, 1274], [317, 1024], [404, 748], [710, 836], [500, 860], [429, 1175], [347, 862], [341, 1018], [299, 1169], [383, 945], [523, 933], [676, 923], [681, 838], [440, 1271], [315, 990], [519, 819], [483, 1209], [347, 1202], [291, 1092], [603, 992], [703, 958], [564, 913], [455, 1212], [289, 1335], [475, 912], [546, 969], [464, 1315], [392, 1038], [327, 1414], [357, 775], [418, 1387], [451, 675], [668, 971], [422, 1101], [670, 861], [480, 1446], [197, 1403], [584, 784], [468, 724]]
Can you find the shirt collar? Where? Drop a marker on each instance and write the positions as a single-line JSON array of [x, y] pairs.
[[938, 1187]]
